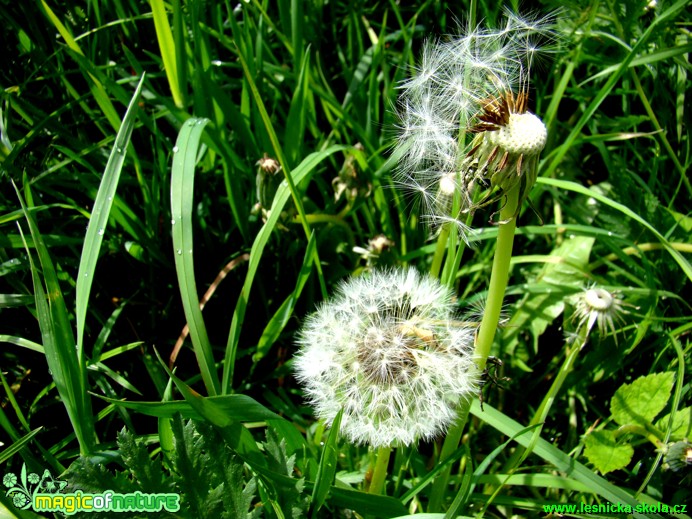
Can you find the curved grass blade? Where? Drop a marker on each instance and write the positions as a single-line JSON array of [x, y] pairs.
[[182, 188], [578, 188], [69, 374], [328, 465], [560, 460], [280, 198], [99, 216]]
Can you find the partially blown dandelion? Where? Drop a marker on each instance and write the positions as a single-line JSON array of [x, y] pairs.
[[387, 350], [598, 306], [477, 84]]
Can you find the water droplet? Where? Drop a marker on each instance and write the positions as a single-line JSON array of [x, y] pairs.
[[571, 236], [321, 444], [610, 233], [175, 149], [86, 274], [190, 251], [179, 252], [110, 198], [101, 232], [119, 150], [200, 122], [173, 222]]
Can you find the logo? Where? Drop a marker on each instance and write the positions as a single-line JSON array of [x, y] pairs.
[[45, 494]]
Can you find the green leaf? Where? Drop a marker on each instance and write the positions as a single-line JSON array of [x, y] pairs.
[[607, 455], [237, 408], [185, 154], [564, 270], [280, 319], [328, 465], [99, 215], [682, 424], [642, 400], [167, 46]]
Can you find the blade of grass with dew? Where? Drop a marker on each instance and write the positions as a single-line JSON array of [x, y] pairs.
[[99, 216], [280, 318], [169, 48], [68, 373], [578, 188], [185, 154], [557, 458], [281, 197]]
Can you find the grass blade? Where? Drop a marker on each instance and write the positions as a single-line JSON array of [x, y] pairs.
[[99, 216], [280, 199], [182, 189]]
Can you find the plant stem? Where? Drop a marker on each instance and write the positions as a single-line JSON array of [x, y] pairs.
[[380, 473], [440, 251], [498, 277], [486, 333]]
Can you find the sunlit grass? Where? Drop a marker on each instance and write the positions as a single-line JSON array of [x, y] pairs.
[[114, 222]]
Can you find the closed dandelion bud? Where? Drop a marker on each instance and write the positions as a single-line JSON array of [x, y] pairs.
[[267, 180], [387, 350], [477, 85], [678, 456]]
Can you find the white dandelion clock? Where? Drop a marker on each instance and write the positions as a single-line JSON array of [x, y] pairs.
[[477, 84], [388, 351]]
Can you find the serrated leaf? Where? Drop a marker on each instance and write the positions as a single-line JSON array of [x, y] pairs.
[[606, 454], [682, 424], [642, 400]]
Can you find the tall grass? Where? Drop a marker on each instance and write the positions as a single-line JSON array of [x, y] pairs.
[[130, 136]]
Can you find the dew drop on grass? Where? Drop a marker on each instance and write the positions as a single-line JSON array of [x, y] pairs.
[[179, 252], [610, 233], [175, 149], [172, 222], [101, 232], [119, 149]]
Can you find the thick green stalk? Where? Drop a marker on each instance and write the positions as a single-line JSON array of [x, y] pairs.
[[486, 333], [379, 474], [498, 277]]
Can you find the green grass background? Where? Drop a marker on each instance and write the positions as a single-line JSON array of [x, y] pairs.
[[129, 139]]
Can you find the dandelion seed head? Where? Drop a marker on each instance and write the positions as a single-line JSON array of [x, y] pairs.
[[475, 84], [388, 350], [595, 305]]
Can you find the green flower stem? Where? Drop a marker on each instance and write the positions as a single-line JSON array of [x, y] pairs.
[[440, 250], [498, 277], [486, 333], [380, 473]]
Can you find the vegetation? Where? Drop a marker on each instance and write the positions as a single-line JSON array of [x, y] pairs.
[[182, 184]]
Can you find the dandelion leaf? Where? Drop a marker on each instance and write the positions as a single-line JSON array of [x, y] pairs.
[[606, 454], [289, 496], [642, 400]]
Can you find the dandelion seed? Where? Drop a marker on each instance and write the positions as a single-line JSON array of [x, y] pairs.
[[477, 84], [388, 351]]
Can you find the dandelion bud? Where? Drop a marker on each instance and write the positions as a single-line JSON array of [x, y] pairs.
[[267, 180], [387, 350]]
